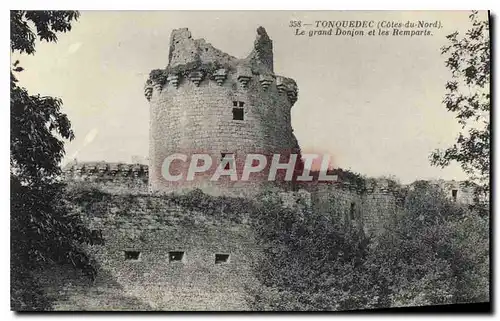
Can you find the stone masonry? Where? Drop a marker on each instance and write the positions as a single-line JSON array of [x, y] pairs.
[[206, 101]]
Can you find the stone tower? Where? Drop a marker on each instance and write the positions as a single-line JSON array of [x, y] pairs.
[[206, 101]]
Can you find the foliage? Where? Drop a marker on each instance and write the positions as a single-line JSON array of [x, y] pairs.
[[36, 125], [314, 262], [41, 228], [46, 25], [159, 76], [85, 198], [435, 252], [468, 96]]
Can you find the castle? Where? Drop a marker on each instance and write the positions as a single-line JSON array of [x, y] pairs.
[[207, 101], [162, 255]]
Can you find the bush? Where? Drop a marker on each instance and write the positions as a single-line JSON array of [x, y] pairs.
[[312, 262], [436, 252]]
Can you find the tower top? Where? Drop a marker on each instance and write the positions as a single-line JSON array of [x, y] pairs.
[[262, 53], [187, 53]]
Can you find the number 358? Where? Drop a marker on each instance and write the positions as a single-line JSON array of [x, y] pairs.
[[295, 23]]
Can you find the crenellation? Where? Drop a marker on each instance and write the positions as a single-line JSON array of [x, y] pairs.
[[158, 87], [148, 90], [220, 76], [102, 168], [113, 169], [173, 79], [124, 169], [266, 81], [280, 84], [196, 77], [244, 75]]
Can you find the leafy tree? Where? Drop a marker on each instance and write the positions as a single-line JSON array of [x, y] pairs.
[[26, 26], [468, 96], [437, 252], [42, 231]]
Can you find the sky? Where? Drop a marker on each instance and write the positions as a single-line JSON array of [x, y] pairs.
[[373, 103]]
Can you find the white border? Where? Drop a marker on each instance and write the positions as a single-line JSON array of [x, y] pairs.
[[200, 5]]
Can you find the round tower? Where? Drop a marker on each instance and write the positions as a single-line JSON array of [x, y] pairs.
[[208, 102]]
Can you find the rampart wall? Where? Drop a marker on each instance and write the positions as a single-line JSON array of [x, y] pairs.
[[158, 254]]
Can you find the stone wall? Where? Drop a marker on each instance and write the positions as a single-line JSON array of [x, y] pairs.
[[456, 191], [369, 206], [153, 227], [131, 220]]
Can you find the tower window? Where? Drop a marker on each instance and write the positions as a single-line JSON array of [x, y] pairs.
[[454, 193], [237, 113], [175, 256], [132, 255], [221, 258]]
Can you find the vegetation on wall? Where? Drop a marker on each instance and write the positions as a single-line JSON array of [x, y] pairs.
[[93, 201], [159, 76], [435, 252], [41, 229]]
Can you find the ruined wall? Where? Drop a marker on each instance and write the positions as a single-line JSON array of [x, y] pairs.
[[196, 106], [341, 201], [368, 206], [155, 227], [381, 199], [456, 191], [114, 201]]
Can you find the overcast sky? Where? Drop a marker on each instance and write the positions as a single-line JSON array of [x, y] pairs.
[[373, 103]]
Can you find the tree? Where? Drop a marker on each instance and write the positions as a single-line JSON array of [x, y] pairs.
[[433, 251], [468, 96], [317, 260], [42, 230]]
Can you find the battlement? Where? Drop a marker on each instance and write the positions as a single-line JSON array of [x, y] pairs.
[[197, 63]]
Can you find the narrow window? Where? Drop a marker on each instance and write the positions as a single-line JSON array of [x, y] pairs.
[[454, 193], [235, 103], [96, 237], [227, 157], [221, 258], [132, 255], [237, 113], [175, 256], [241, 104], [351, 211]]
